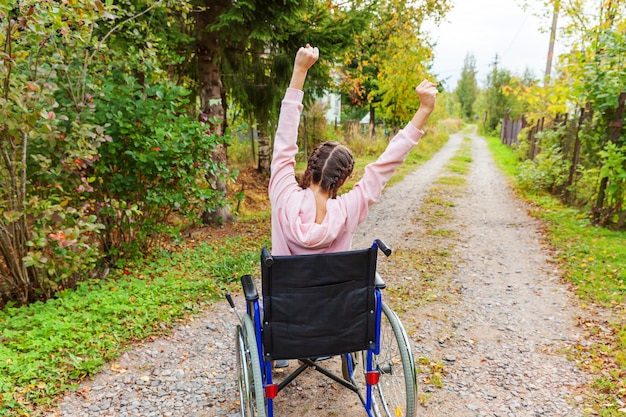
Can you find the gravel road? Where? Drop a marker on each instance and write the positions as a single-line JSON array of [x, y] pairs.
[[497, 328]]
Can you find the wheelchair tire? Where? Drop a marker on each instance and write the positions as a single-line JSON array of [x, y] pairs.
[[396, 391], [250, 380]]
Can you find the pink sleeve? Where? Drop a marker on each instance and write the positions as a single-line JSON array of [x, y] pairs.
[[377, 174], [285, 147]]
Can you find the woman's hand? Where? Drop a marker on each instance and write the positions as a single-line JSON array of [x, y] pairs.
[[306, 57], [427, 93]]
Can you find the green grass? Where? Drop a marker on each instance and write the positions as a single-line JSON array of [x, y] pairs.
[[593, 260], [49, 347]]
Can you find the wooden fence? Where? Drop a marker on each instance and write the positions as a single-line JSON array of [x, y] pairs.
[[571, 146], [510, 129]]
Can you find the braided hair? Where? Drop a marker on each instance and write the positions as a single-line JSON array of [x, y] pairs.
[[329, 165]]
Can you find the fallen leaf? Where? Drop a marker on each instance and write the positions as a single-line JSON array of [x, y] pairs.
[[118, 369]]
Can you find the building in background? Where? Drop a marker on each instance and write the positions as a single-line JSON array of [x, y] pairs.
[[332, 102]]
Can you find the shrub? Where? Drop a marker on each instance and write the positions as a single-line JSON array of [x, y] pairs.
[[157, 161], [548, 171], [47, 140]]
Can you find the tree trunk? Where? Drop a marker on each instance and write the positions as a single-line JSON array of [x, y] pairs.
[[576, 156], [212, 99], [252, 142], [264, 152], [265, 146]]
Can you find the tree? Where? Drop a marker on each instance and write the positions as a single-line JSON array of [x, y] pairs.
[[254, 63], [211, 92], [95, 145], [600, 78], [372, 59], [589, 91], [159, 159], [467, 88], [257, 56], [496, 101]]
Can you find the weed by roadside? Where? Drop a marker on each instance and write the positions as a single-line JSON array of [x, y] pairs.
[[593, 262], [49, 347], [425, 271]]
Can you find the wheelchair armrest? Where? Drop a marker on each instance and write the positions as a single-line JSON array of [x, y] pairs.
[[249, 289], [378, 282]]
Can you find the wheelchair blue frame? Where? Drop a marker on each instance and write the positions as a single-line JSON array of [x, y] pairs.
[[271, 389]]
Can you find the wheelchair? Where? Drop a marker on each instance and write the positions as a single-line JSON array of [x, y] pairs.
[[320, 306]]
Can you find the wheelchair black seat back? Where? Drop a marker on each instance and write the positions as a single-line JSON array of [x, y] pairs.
[[320, 306]]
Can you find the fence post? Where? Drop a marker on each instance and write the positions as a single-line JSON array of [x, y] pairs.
[[531, 142], [576, 155], [615, 127]]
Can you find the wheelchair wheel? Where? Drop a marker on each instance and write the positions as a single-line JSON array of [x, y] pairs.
[[251, 393], [395, 393]]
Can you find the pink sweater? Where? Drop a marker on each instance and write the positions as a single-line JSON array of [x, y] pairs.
[[294, 231]]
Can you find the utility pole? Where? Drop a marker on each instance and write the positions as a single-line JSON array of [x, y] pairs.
[[555, 14], [495, 62]]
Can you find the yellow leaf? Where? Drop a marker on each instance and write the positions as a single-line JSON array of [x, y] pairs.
[[116, 368]]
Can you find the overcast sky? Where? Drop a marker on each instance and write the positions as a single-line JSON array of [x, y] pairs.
[[486, 28]]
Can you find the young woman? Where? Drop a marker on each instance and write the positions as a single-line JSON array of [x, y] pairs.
[[308, 217]]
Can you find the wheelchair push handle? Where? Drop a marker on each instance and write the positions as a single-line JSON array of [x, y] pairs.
[[266, 257], [382, 246]]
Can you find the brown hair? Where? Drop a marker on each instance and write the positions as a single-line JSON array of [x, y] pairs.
[[329, 165]]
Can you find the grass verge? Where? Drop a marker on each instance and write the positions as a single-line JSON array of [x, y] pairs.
[[50, 347], [593, 261]]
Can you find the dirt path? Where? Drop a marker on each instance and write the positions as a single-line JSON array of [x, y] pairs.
[[487, 342]]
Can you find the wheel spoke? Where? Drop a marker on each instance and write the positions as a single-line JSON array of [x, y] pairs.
[[394, 395], [251, 392]]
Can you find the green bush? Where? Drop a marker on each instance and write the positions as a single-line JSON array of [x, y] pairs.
[[47, 141], [91, 161], [614, 171], [157, 161], [550, 168]]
